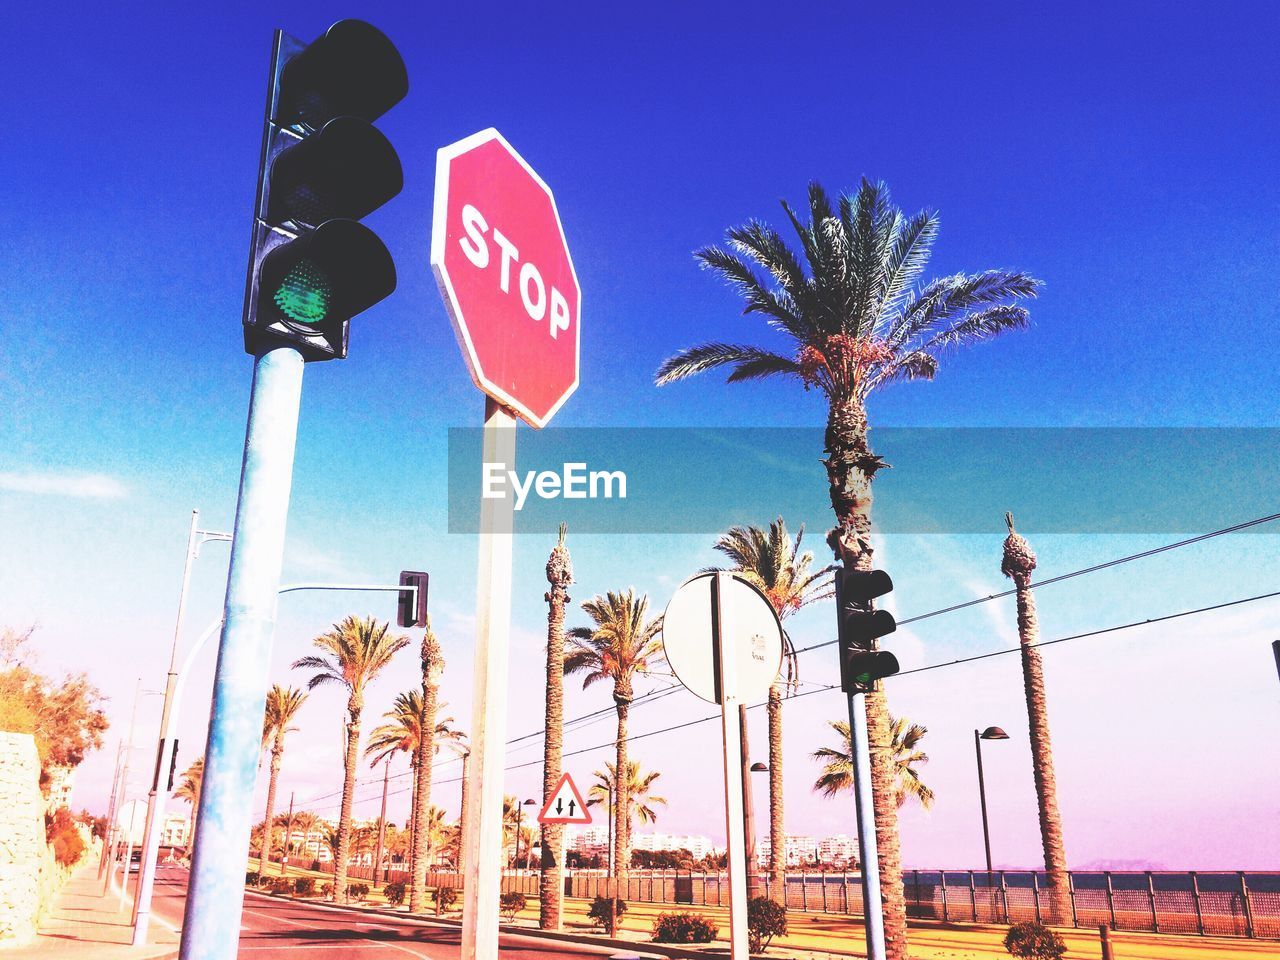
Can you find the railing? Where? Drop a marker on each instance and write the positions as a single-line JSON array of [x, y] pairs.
[[1210, 903]]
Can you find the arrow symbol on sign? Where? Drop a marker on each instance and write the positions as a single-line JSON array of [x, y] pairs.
[[571, 806], [560, 805]]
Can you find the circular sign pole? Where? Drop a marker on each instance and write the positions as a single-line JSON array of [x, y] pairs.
[[731, 724]]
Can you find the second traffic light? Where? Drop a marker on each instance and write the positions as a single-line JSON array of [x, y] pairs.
[[324, 166], [412, 608], [861, 664]]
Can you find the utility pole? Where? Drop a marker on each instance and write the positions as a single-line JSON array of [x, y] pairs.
[[288, 834], [108, 835], [382, 825], [124, 777]]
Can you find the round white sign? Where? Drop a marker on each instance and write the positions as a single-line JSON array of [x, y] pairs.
[[750, 631]]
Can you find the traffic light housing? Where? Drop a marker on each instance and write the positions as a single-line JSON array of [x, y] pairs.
[[860, 627], [324, 166], [411, 610]]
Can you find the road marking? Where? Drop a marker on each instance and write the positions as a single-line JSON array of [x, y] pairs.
[[299, 923]]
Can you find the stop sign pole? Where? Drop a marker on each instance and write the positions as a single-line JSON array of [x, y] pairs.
[[502, 264]]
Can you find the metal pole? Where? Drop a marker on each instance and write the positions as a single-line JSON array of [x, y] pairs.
[[1275, 648], [288, 835], [128, 856], [211, 927], [151, 832], [382, 826], [748, 809], [108, 835], [483, 841], [982, 795], [124, 774], [872, 907], [156, 798], [731, 724]]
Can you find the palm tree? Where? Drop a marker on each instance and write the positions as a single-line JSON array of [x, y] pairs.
[[857, 321], [775, 564], [188, 789], [559, 576], [904, 738], [282, 706], [639, 787], [1018, 563], [622, 643], [304, 821], [432, 659], [357, 651], [433, 832]]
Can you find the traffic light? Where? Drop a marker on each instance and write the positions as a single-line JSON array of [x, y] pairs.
[[412, 611], [323, 167], [861, 664]]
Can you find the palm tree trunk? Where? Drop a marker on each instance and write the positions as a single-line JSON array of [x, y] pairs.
[[268, 834], [851, 467], [349, 762], [777, 835], [1055, 856], [422, 797], [550, 885], [622, 796], [413, 810]]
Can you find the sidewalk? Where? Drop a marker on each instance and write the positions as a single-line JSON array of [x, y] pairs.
[[86, 925]]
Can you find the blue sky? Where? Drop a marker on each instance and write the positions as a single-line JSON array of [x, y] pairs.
[[1124, 153]]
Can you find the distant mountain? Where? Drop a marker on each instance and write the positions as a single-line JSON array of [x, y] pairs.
[[1119, 865]]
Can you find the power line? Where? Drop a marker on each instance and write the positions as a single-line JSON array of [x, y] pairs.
[[1235, 528]]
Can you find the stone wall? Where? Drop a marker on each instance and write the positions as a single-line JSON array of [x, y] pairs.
[[25, 874]]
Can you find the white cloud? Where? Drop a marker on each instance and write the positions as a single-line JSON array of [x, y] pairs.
[[96, 486]]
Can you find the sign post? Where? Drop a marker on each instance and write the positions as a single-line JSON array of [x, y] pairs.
[[723, 640], [501, 261]]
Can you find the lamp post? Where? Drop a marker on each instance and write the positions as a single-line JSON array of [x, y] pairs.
[[991, 733], [753, 868], [528, 846]]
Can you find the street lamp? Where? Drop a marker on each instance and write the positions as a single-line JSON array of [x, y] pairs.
[[991, 733], [754, 873], [528, 846]]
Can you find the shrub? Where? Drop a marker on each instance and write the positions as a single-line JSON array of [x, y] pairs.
[[304, 886], [61, 833], [281, 885], [357, 891], [326, 890], [1033, 941], [599, 911], [509, 904], [315, 865], [253, 879], [446, 897], [394, 892], [683, 928], [766, 919]]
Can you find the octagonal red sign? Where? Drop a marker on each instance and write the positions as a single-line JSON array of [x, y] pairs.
[[500, 257]]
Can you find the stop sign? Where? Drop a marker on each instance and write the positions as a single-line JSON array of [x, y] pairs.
[[501, 260]]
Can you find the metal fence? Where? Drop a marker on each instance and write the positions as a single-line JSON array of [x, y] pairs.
[[1211, 903]]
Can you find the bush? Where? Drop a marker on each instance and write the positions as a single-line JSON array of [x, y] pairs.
[[509, 904], [61, 833], [683, 928], [280, 885], [304, 886], [253, 879], [446, 897], [766, 919], [394, 892], [326, 890], [315, 865], [357, 891], [599, 911], [1033, 941]]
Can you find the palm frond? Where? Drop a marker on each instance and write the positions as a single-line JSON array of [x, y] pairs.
[[982, 325], [750, 362]]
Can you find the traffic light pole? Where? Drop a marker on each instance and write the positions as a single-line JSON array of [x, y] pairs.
[[482, 843], [215, 895], [872, 906]]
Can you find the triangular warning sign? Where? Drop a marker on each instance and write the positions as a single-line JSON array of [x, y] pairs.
[[565, 805]]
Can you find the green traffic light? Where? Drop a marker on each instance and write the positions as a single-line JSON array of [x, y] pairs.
[[304, 294]]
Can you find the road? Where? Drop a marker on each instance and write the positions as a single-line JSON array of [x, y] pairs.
[[272, 928]]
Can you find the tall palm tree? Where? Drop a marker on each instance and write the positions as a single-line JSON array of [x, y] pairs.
[[775, 563], [1018, 563], [432, 659], [904, 738], [857, 321], [356, 650], [621, 643], [282, 706], [639, 786], [559, 576], [188, 789]]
